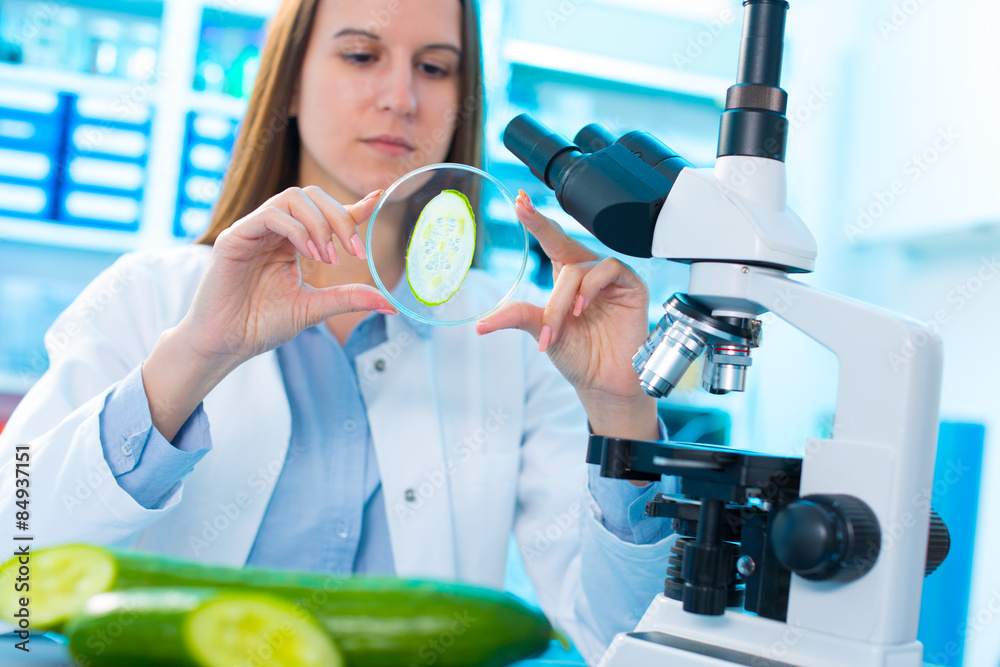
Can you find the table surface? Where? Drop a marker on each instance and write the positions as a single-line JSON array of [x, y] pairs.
[[49, 651]]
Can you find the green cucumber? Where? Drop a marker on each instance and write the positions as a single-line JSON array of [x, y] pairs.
[[373, 620], [441, 246], [197, 627]]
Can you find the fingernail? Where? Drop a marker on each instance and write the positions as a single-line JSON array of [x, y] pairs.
[[579, 305], [387, 311], [332, 251], [359, 248], [544, 338], [312, 249], [371, 195], [526, 200]]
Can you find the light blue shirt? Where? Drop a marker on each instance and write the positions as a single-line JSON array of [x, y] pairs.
[[327, 511]]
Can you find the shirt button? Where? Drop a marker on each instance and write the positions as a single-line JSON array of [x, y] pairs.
[[350, 425], [341, 528], [410, 495], [380, 365]]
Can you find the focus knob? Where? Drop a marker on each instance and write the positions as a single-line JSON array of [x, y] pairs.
[[938, 543], [826, 537]]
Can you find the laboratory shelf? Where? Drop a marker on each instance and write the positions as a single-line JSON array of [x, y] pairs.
[[617, 70], [67, 235]]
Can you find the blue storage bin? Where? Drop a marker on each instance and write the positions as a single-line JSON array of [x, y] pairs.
[[106, 128], [99, 208], [191, 221], [115, 176], [200, 190], [27, 200], [106, 141], [212, 128], [112, 113], [32, 120], [206, 158], [30, 167]]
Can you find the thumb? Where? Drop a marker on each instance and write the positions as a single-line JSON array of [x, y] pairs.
[[322, 304], [513, 315]]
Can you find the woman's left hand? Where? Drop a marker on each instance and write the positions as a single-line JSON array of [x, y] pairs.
[[595, 320]]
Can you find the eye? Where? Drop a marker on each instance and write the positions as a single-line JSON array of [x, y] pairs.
[[433, 71], [359, 58]]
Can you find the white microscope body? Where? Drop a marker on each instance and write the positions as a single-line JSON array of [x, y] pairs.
[[830, 549], [732, 225]]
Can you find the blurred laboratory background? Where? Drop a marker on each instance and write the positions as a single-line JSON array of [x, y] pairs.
[[117, 116]]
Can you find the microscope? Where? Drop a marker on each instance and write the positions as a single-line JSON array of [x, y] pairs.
[[780, 561]]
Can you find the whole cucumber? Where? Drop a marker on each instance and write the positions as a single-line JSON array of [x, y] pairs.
[[200, 627], [375, 621]]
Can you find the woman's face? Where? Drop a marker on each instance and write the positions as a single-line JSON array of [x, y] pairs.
[[378, 92]]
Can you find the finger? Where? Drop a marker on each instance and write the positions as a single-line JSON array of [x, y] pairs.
[[513, 315], [555, 242], [344, 220], [608, 271], [300, 206], [561, 301], [270, 220], [324, 303]]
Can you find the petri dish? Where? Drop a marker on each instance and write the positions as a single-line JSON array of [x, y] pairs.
[[437, 221]]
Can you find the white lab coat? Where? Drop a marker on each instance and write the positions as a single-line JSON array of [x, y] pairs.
[[474, 436]]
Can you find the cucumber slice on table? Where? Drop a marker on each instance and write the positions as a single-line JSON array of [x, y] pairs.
[[381, 621], [441, 246], [198, 627]]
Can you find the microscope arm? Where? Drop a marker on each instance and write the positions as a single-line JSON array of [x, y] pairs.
[[885, 431]]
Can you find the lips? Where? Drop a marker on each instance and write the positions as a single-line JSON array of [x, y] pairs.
[[389, 144]]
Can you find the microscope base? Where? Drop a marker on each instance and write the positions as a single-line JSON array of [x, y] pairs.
[[667, 635]]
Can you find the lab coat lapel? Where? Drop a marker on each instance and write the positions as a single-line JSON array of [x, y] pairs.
[[397, 383], [251, 426]]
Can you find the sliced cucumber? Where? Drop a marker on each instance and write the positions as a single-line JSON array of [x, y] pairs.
[[62, 579], [200, 627], [441, 246], [381, 621]]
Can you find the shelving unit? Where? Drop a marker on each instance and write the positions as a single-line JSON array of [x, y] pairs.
[[618, 70], [169, 94]]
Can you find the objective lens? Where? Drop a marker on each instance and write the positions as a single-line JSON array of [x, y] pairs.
[[726, 369], [678, 346]]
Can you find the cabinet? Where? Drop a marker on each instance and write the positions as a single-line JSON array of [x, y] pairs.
[[116, 119], [94, 97]]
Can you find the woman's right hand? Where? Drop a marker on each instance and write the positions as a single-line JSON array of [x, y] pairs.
[[252, 298]]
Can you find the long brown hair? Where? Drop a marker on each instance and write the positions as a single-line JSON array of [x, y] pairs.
[[265, 157]]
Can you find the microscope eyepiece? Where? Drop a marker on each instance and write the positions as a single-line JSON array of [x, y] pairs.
[[593, 138], [537, 146], [754, 121], [614, 190]]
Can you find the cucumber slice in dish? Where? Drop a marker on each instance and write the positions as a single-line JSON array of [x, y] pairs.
[[440, 251]]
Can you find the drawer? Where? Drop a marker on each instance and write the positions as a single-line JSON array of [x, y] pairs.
[[95, 208], [22, 200], [28, 166], [32, 120]]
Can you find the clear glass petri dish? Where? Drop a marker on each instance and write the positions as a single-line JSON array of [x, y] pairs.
[[498, 244]]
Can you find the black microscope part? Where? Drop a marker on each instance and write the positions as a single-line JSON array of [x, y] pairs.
[[829, 537], [593, 138], [754, 121], [614, 190]]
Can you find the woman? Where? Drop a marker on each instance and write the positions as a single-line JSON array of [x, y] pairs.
[[236, 401]]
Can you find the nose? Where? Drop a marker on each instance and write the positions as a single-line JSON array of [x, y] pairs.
[[396, 93]]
